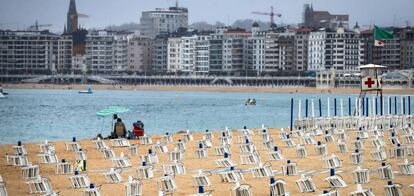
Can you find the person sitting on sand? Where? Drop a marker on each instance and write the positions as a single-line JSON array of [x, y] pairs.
[[119, 129]]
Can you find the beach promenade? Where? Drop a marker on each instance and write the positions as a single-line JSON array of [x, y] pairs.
[[212, 88]]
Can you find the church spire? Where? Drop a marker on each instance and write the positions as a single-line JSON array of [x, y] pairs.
[[72, 18], [72, 7]]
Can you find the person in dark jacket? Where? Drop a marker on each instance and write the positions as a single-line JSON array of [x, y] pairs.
[[119, 129]]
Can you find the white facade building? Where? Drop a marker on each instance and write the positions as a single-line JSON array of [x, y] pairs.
[[174, 54], [255, 51], [106, 51], [64, 55], [120, 52], [33, 51], [187, 52], [99, 51], [163, 21], [316, 51]]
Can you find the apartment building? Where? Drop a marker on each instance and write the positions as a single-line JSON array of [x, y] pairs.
[[32, 52], [106, 52], [254, 50], [407, 48], [285, 60], [233, 54], [163, 21], [187, 53], [202, 54], [64, 54], [316, 51], [342, 49], [160, 54], [139, 53], [301, 49], [216, 51]]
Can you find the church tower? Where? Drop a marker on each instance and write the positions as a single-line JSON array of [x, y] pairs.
[[72, 20]]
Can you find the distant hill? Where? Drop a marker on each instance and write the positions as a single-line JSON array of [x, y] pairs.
[[245, 24], [202, 25], [206, 26], [124, 27]]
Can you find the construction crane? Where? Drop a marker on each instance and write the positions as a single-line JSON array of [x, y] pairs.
[[272, 14], [36, 26]]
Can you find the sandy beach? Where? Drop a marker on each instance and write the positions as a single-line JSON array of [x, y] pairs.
[[96, 164], [205, 88]]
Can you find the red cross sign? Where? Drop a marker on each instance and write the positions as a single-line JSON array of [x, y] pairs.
[[369, 82]]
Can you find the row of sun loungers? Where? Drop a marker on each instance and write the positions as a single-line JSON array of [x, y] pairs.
[[371, 138]]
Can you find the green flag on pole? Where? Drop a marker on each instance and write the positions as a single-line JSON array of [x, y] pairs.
[[380, 35]]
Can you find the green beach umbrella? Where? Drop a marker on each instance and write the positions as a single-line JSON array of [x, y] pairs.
[[111, 111]]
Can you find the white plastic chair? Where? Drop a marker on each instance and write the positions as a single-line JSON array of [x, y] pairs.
[[113, 176], [30, 172], [145, 171], [133, 149], [231, 176], [39, 185], [290, 168], [278, 188], [242, 190], [393, 189], [63, 168], [202, 179], [17, 160], [48, 158], [133, 187], [174, 168], [167, 184], [92, 190], [361, 191], [305, 184], [262, 171], [361, 176], [146, 140], [120, 142], [73, 146], [79, 180], [121, 162]]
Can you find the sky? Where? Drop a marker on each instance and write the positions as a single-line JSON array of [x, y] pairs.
[[20, 14]]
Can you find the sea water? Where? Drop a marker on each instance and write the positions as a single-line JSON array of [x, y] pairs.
[[39, 114]]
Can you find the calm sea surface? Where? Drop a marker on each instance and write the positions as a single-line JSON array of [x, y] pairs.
[[37, 115]]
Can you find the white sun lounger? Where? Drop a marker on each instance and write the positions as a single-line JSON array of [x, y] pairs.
[[113, 176], [30, 171], [133, 187]]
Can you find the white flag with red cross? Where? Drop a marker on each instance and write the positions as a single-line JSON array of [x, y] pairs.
[[371, 83]]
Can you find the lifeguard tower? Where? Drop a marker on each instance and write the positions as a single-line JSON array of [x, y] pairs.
[[371, 79]]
